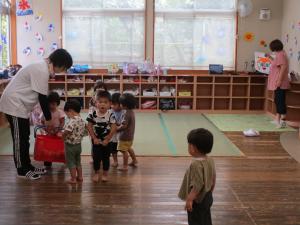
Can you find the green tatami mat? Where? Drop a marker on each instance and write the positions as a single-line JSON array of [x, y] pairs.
[[156, 135], [241, 122], [180, 124]]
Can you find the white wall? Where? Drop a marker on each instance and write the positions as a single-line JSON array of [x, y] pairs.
[[51, 11], [291, 16], [266, 30]]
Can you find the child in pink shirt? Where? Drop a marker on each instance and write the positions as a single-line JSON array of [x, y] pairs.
[[278, 81]]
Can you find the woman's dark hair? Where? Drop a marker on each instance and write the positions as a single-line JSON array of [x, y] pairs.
[[100, 85], [115, 98], [53, 97], [72, 104], [61, 58], [202, 139], [276, 46], [103, 94], [128, 100]]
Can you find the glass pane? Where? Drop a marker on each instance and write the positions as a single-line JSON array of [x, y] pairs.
[[4, 41], [194, 4], [104, 4], [195, 42]]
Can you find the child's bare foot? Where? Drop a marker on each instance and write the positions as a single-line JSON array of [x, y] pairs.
[[133, 164], [123, 168], [72, 181], [115, 165], [96, 178], [104, 178], [79, 179]]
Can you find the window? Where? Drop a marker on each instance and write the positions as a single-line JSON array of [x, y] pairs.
[[101, 32], [4, 30], [195, 33]]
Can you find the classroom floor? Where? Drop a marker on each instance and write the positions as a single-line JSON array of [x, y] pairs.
[[261, 188]]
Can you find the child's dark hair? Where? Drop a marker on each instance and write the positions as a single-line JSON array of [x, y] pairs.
[[115, 98], [99, 85], [103, 94], [128, 100], [61, 58], [202, 139], [53, 97], [72, 104], [276, 46]]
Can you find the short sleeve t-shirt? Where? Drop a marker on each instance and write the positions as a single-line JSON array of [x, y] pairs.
[[280, 59], [101, 123], [119, 116], [200, 176], [129, 122], [56, 117], [76, 126], [21, 94]]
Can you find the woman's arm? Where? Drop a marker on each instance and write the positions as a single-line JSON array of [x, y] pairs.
[[282, 73]]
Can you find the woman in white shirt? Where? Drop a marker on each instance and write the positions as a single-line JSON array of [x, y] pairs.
[[25, 90]]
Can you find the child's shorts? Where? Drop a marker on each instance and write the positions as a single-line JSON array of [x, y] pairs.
[[114, 147], [73, 159], [124, 146]]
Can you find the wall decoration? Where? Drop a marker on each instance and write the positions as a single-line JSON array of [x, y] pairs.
[[249, 36], [296, 41], [298, 58], [3, 39], [54, 46], [1, 48], [38, 17], [287, 37], [38, 36], [27, 26], [262, 62], [51, 27], [298, 26], [263, 43], [27, 51], [291, 53], [41, 51], [293, 26], [24, 8]]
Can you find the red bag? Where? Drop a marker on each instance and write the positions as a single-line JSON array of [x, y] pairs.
[[49, 148]]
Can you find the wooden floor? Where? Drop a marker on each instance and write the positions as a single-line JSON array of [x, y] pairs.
[[262, 188]]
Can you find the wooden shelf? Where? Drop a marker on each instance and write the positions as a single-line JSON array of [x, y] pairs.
[[208, 92], [294, 106]]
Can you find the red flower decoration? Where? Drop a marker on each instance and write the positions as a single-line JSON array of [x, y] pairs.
[[23, 5]]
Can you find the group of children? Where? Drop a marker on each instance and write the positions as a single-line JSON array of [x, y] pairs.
[[110, 125]]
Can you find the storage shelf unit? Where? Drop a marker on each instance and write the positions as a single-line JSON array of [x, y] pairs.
[[292, 101], [228, 93]]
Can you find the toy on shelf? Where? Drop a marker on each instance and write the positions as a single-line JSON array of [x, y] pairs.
[[112, 80], [90, 92], [184, 93], [185, 106], [133, 91], [167, 91], [151, 92], [130, 68], [112, 68], [149, 104], [79, 69], [74, 92], [150, 79], [166, 104]]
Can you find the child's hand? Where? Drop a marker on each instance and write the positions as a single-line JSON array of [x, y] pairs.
[[189, 205], [105, 142], [96, 141]]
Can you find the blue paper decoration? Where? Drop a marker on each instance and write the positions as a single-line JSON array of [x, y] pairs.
[[24, 8]]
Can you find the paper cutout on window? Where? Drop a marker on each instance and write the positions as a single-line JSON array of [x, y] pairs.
[[206, 39], [38, 17], [24, 8], [249, 36], [221, 32], [38, 36], [298, 56], [54, 46], [41, 52], [200, 59], [262, 63], [27, 51], [1, 48], [51, 27], [263, 43], [3, 39], [27, 26], [221, 51]]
